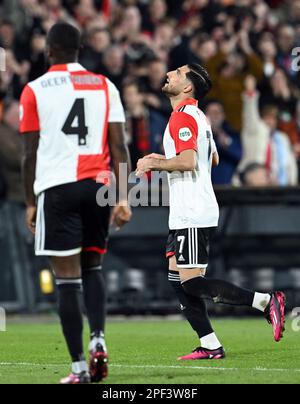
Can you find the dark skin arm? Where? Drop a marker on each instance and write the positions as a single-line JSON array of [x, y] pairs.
[[30, 147], [120, 155]]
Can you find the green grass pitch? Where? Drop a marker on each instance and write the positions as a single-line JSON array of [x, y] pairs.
[[146, 352]]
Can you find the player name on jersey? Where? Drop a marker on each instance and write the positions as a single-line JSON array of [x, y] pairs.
[[63, 80]]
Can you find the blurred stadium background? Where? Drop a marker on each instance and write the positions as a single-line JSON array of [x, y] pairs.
[[134, 43]]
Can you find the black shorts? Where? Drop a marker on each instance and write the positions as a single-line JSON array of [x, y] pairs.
[[69, 220], [190, 246]]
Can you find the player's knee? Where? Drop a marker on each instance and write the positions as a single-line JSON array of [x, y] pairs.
[[66, 267], [91, 260], [69, 274]]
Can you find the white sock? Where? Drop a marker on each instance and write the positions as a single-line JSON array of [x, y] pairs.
[[261, 301], [79, 367], [96, 341], [210, 342]]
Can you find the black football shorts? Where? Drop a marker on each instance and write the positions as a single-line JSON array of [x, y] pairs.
[[190, 246], [70, 221]]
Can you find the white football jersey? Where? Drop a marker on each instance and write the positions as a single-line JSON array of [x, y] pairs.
[[71, 108], [193, 202]]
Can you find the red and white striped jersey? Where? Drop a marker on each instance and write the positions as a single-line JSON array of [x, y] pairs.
[[192, 199], [71, 108]]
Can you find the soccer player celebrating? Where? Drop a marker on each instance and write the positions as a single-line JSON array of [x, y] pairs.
[[189, 154], [73, 126]]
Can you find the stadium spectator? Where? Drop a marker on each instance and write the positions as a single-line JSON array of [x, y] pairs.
[[130, 28], [10, 155], [262, 142], [199, 48], [97, 42], [282, 94], [256, 175], [164, 38], [37, 55], [113, 64], [157, 103], [286, 43], [157, 13], [294, 13], [152, 84], [17, 68], [7, 34], [297, 145], [202, 48], [228, 144], [84, 12], [228, 70], [24, 14], [138, 125], [268, 52]]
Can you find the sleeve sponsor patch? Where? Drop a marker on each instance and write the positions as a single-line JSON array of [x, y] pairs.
[[185, 134]]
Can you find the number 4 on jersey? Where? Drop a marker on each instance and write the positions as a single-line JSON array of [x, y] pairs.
[[75, 123]]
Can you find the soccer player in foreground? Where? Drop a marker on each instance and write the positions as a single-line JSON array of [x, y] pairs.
[[70, 119], [189, 154]]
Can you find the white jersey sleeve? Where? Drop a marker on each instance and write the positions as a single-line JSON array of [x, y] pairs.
[[116, 110]]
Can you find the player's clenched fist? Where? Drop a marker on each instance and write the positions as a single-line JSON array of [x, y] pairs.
[[143, 166], [121, 215]]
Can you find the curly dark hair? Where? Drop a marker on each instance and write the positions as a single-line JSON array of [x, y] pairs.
[[200, 79]]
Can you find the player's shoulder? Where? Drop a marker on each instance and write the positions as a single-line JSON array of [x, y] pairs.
[[111, 86], [31, 89], [186, 113], [194, 111], [36, 84], [198, 115]]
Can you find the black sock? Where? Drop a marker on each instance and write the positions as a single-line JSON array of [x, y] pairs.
[[219, 291], [95, 299], [70, 313], [193, 308]]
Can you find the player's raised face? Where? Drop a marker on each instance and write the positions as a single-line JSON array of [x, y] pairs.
[[177, 82]]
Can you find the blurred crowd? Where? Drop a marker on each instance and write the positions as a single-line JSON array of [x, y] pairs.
[[248, 47]]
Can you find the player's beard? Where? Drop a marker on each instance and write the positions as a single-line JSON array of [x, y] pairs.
[[167, 90]]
